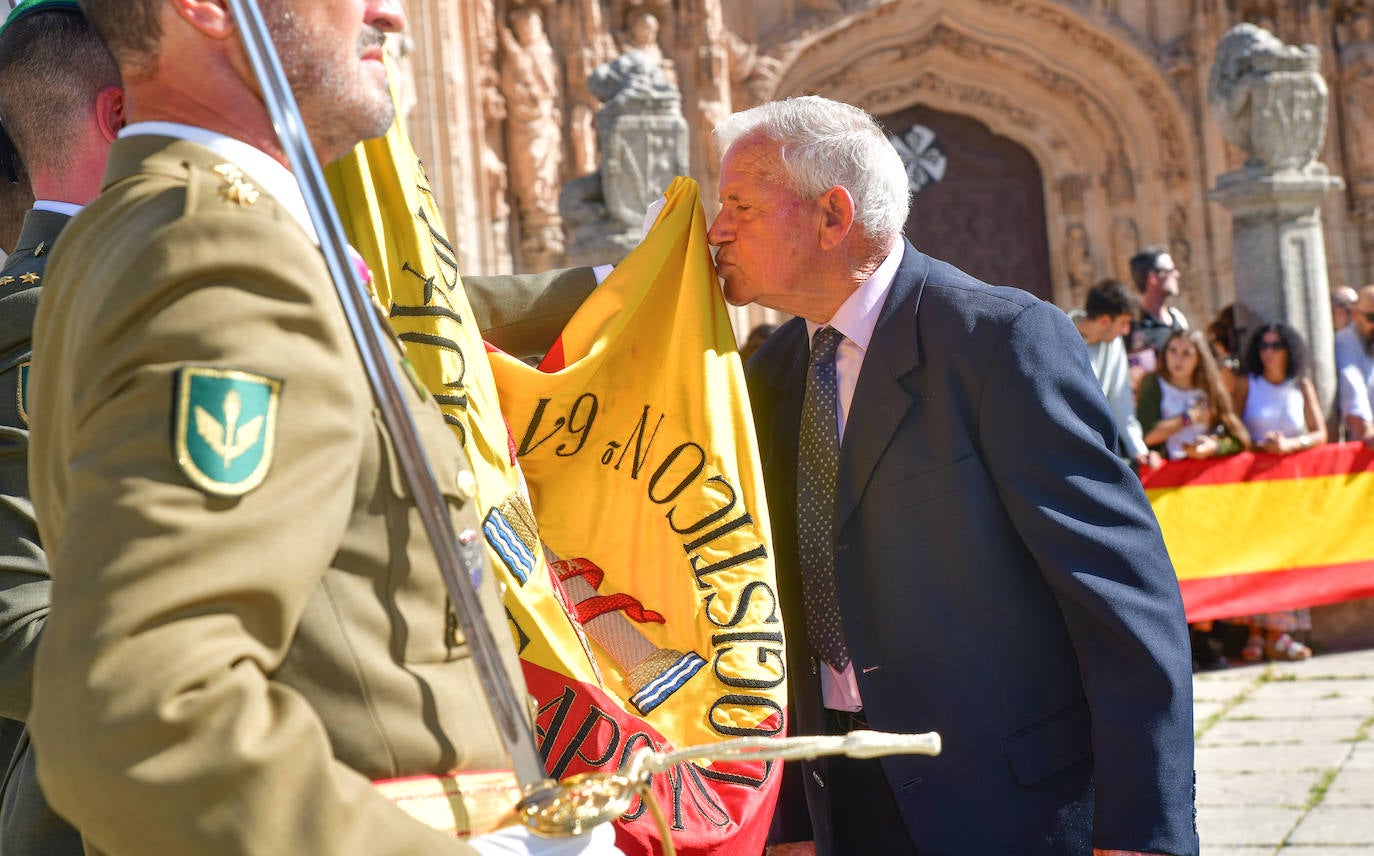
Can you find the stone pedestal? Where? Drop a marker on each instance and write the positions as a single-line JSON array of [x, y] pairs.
[[643, 139], [1270, 101], [1279, 255]]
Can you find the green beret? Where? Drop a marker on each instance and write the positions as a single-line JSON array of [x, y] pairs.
[[28, 6]]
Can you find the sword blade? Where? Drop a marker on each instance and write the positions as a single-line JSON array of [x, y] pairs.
[[457, 561]]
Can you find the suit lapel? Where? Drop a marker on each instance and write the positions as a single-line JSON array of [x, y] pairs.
[[789, 378], [880, 401]]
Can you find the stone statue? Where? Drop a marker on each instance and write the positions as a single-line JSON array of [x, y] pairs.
[[1270, 101], [753, 74], [641, 34], [534, 136], [643, 139], [1078, 263], [1268, 98]]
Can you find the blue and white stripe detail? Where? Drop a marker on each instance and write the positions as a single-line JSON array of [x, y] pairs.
[[508, 545], [656, 692]]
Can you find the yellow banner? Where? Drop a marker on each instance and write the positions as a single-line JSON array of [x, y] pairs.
[[640, 455], [660, 626]]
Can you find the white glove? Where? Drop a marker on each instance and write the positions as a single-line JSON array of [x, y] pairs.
[[651, 216], [519, 841]]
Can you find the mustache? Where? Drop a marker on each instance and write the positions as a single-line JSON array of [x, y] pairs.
[[370, 37]]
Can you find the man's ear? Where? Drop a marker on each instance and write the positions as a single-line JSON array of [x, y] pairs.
[[837, 216], [210, 17], [109, 112]]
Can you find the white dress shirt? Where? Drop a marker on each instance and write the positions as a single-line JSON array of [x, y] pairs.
[[855, 320], [1354, 375], [69, 208]]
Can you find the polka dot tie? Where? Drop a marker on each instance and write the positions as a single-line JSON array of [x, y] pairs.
[[818, 468]]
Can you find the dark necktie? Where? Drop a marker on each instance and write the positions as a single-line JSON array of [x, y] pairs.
[[818, 467]]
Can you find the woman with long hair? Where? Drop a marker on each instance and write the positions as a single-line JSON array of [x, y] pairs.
[[1278, 404], [1184, 408]]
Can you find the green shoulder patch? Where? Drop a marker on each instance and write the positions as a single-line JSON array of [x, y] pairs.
[[21, 395], [225, 428]]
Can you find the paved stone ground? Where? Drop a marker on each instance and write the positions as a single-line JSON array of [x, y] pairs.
[[1285, 758]]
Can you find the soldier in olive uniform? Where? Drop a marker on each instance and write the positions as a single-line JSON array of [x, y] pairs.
[[248, 626], [61, 104]]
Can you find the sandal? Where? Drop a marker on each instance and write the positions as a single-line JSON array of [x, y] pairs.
[[1253, 651], [1287, 648]]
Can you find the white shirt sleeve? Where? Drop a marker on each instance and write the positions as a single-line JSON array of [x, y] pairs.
[[1351, 381]]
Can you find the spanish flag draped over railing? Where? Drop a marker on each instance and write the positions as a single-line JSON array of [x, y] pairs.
[[659, 623], [1258, 533]]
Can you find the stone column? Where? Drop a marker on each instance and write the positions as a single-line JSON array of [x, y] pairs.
[[1271, 102]]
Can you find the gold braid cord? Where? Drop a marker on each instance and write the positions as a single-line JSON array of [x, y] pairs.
[[584, 801]]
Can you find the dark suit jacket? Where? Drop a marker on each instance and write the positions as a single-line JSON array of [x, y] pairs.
[[1001, 577]]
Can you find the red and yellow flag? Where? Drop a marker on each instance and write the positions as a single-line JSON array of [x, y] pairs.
[[657, 625], [1258, 533], [636, 439]]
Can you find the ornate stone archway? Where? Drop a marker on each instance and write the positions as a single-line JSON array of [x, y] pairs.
[[1112, 138]]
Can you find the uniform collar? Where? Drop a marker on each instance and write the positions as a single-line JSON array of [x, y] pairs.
[[265, 170], [68, 208]]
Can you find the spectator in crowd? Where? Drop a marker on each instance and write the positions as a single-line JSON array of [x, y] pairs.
[[1278, 403], [1225, 338], [1355, 367], [1343, 299], [1106, 317], [1184, 409], [1157, 279], [756, 337], [1277, 398]]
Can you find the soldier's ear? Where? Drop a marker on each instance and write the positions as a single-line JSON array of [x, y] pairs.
[[109, 112], [210, 17]]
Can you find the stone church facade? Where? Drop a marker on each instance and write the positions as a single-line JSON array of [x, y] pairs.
[[1048, 139]]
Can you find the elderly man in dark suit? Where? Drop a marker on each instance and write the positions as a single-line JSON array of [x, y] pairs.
[[958, 547]]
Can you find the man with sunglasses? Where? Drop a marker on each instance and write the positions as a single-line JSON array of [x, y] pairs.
[[1355, 368], [1156, 277]]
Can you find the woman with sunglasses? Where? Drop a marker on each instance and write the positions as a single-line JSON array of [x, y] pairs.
[[1278, 403]]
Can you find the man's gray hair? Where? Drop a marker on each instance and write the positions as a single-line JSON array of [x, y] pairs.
[[827, 143]]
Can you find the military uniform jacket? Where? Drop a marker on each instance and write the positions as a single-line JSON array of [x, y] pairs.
[[27, 824], [225, 674]]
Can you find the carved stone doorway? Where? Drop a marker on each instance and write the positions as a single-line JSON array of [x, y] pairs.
[[985, 213]]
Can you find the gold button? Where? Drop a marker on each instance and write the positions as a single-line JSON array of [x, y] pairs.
[[467, 484]]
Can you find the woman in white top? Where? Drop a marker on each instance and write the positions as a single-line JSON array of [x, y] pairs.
[[1278, 403], [1183, 408]]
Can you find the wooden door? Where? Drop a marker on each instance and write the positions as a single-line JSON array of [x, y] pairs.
[[981, 201]]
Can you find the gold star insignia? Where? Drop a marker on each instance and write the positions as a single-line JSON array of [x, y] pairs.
[[240, 192], [235, 189], [29, 278], [40, 249], [6, 280]]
